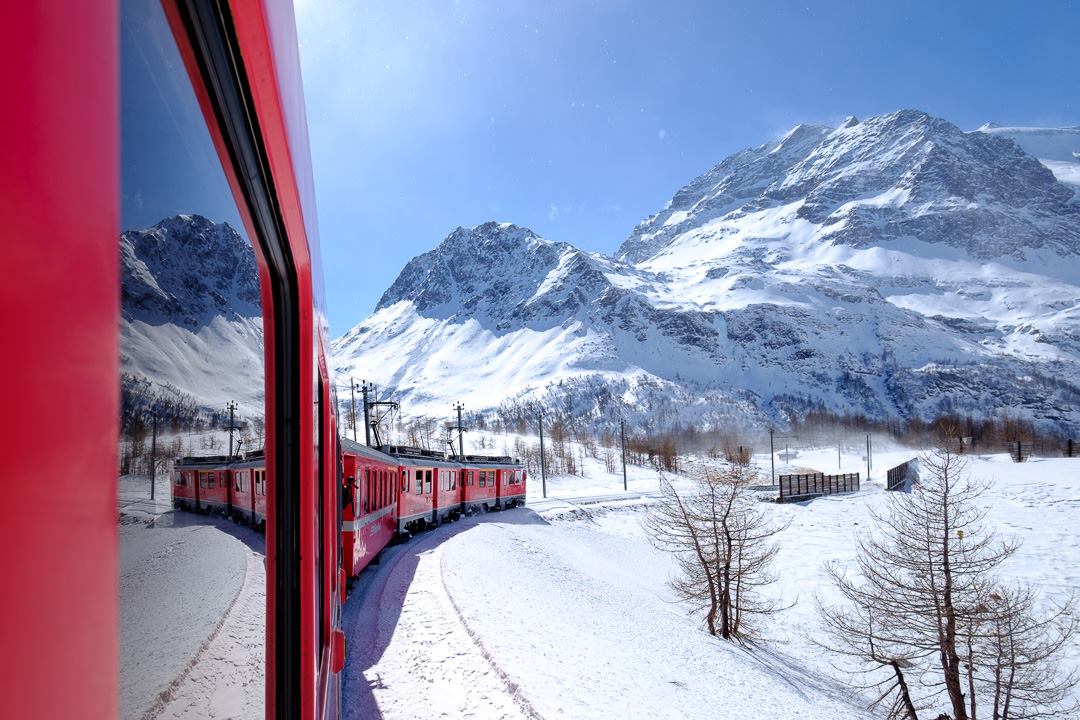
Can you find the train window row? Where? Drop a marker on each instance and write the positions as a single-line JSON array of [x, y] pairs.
[[423, 481], [380, 489]]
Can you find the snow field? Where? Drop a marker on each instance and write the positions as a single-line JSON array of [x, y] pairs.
[[192, 611], [562, 609]]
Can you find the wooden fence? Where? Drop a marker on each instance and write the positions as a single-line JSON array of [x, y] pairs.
[[898, 477], [811, 485]]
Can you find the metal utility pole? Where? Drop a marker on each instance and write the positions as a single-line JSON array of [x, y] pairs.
[[364, 387], [772, 456], [153, 456], [867, 456], [622, 440], [460, 429], [543, 469], [352, 391], [232, 425]]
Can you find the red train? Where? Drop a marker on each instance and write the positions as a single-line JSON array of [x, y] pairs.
[[388, 493], [214, 484]]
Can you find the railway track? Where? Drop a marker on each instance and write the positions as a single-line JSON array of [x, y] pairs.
[[600, 499]]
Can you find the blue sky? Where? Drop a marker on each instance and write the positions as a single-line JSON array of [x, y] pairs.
[[578, 119]]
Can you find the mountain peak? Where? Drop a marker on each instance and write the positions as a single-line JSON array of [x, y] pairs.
[[900, 174], [475, 270]]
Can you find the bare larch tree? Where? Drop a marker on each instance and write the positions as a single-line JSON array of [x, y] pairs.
[[723, 545], [923, 602]]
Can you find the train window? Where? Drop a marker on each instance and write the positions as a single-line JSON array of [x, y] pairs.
[[192, 393], [419, 481], [427, 481]]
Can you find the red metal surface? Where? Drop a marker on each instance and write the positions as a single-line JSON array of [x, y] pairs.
[[266, 35], [59, 201], [474, 495], [414, 508], [368, 522]]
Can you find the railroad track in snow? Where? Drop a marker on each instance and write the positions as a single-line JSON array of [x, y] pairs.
[[580, 500]]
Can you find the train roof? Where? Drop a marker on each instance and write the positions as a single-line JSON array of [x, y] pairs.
[[496, 460], [351, 446], [203, 461]]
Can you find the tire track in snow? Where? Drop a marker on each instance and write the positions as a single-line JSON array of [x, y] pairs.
[[512, 687], [410, 654], [199, 690]]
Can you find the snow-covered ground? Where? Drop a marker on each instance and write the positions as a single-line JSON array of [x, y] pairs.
[[192, 610], [562, 609]]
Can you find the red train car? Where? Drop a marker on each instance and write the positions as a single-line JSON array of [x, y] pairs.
[[427, 495], [369, 504], [249, 489], [510, 482], [479, 485], [239, 60], [202, 484]]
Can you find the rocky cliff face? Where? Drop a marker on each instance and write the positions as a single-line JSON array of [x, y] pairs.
[[896, 266]]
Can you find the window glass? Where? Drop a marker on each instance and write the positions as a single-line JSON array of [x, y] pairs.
[[191, 580], [427, 481], [419, 481]]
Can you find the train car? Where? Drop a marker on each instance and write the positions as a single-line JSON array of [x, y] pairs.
[[206, 485], [369, 504], [479, 486], [423, 474], [238, 61], [248, 477], [509, 481]]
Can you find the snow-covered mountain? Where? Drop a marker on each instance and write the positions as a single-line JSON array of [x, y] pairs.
[[1056, 148], [896, 266], [190, 310]]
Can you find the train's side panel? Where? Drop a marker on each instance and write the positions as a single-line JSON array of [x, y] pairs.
[[59, 202], [477, 496], [447, 492], [510, 484], [415, 507], [370, 520], [184, 482]]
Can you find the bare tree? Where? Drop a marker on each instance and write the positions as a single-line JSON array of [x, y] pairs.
[[1016, 650], [857, 633], [927, 565], [723, 546]]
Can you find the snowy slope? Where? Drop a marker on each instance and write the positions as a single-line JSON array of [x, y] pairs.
[[581, 623], [896, 266], [190, 310], [450, 626]]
